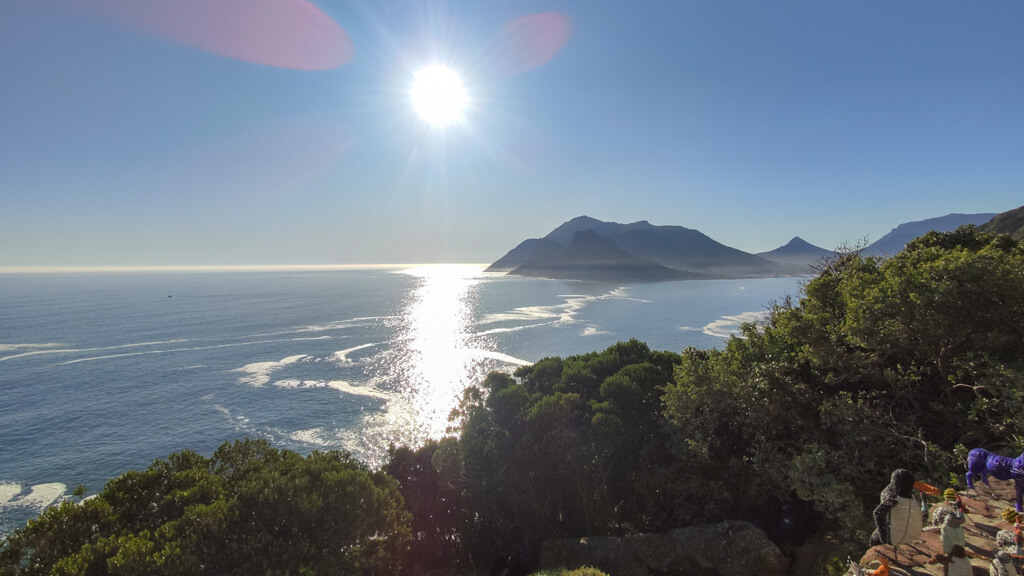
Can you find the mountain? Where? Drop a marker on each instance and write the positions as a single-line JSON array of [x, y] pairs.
[[590, 256], [637, 251], [1011, 223], [797, 255], [642, 251], [898, 237], [518, 255]]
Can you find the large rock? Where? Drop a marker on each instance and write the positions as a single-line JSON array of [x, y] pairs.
[[725, 549]]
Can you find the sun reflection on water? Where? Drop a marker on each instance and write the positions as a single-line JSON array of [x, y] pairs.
[[434, 359]]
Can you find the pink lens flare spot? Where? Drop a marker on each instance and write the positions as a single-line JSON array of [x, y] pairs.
[[284, 33], [530, 41]]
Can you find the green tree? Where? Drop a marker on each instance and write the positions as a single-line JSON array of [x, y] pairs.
[[431, 479], [250, 509], [883, 364], [560, 448]]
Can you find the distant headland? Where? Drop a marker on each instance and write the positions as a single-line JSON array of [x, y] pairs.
[[585, 248]]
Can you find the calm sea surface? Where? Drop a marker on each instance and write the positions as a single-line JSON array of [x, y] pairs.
[[105, 372]]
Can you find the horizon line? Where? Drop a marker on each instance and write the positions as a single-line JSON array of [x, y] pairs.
[[221, 267]]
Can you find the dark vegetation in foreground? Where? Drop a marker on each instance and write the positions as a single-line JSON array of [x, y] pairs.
[[795, 426]]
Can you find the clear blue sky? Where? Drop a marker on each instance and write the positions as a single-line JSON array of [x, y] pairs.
[[129, 138]]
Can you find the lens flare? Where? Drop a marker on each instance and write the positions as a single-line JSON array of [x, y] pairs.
[[530, 41], [283, 33]]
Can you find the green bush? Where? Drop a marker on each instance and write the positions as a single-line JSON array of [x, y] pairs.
[[249, 509]]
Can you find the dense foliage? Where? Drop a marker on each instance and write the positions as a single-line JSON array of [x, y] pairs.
[[250, 509], [796, 423], [883, 364], [565, 447]]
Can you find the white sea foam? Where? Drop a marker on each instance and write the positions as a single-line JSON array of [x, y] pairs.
[[171, 350], [339, 385], [512, 329], [12, 347], [39, 496], [241, 423], [501, 357], [341, 356], [8, 492], [312, 436], [525, 313], [290, 383], [561, 313], [349, 388], [52, 348], [564, 313], [330, 326], [109, 357], [623, 294], [258, 373], [42, 495], [730, 325]]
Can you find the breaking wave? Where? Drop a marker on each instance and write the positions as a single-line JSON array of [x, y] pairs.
[[730, 325]]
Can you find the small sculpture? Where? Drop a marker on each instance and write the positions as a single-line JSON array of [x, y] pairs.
[[897, 516], [953, 533], [1002, 565], [1012, 540], [952, 504], [957, 562], [982, 463]]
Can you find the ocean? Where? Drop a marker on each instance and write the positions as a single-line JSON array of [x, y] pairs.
[[103, 372]]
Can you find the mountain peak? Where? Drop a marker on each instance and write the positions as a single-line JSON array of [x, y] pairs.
[[797, 256], [798, 242], [587, 248], [591, 256]]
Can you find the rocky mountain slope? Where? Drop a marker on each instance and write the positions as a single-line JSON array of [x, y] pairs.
[[1011, 223], [898, 237]]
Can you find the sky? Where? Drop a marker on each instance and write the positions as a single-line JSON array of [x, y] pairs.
[[257, 132]]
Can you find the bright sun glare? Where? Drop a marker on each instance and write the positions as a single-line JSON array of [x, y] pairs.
[[439, 95]]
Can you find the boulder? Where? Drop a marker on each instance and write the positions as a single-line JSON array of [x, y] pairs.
[[730, 548]]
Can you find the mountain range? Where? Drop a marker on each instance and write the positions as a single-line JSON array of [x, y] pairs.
[[585, 248], [898, 237]]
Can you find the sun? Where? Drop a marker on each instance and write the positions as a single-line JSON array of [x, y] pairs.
[[439, 95]]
